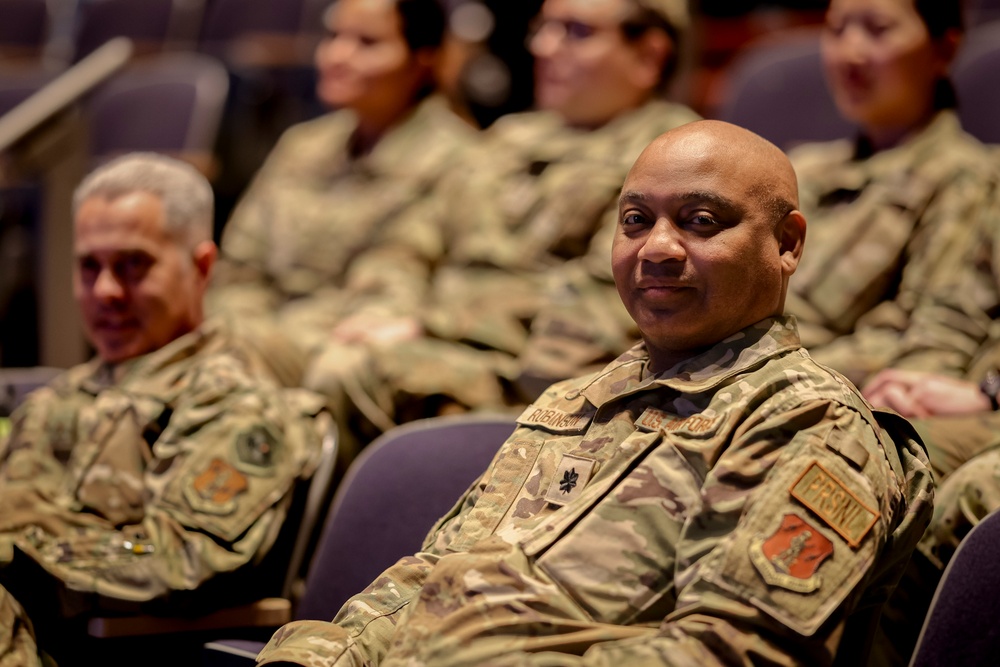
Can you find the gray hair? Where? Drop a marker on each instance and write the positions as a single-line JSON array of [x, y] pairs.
[[185, 194]]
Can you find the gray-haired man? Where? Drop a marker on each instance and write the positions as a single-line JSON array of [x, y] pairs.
[[167, 460]]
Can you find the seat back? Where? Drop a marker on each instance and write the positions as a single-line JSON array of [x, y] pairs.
[[17, 383], [23, 28], [148, 24], [171, 104], [975, 74], [390, 498], [19, 83], [776, 88], [961, 627]]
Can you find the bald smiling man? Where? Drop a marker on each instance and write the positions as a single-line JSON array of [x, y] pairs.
[[712, 496]]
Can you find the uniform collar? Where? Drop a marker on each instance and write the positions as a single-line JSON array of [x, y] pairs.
[[943, 124], [402, 149], [103, 375], [737, 354]]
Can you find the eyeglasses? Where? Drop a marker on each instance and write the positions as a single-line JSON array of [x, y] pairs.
[[570, 30]]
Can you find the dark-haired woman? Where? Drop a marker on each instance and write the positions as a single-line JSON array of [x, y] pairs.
[[892, 212], [330, 187]]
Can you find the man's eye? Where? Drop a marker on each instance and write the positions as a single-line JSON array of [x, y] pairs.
[[703, 221], [633, 219], [89, 267], [133, 268]]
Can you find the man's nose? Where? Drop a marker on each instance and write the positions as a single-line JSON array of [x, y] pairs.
[[663, 244], [107, 287]]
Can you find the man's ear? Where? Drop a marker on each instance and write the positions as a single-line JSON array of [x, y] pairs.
[[791, 234], [204, 256]]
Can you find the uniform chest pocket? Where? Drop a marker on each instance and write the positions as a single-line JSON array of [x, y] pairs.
[[618, 561], [509, 473]]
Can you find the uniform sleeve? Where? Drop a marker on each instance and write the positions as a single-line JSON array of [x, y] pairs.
[[819, 544], [362, 630], [190, 489], [955, 322], [393, 276], [43, 424], [241, 281]]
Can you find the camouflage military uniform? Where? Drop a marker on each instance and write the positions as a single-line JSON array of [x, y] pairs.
[[745, 506], [313, 209], [884, 230], [144, 481], [951, 331], [531, 197]]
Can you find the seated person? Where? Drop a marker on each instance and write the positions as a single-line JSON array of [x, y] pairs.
[[332, 185], [893, 212], [167, 460], [530, 197], [712, 497]]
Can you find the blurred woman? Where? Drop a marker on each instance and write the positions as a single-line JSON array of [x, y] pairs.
[[892, 212], [331, 185]]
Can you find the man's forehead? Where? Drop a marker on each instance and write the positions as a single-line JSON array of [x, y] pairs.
[[130, 221]]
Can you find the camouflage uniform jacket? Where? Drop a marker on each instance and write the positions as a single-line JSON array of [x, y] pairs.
[[313, 209], [153, 476], [884, 229], [745, 506]]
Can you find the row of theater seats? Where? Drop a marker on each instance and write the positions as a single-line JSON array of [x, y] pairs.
[[71, 29], [173, 103]]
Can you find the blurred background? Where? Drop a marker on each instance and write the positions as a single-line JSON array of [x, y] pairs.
[[216, 82]]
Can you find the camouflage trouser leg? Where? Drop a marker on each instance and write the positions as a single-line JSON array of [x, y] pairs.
[[960, 502], [370, 389], [952, 441], [488, 606], [17, 639]]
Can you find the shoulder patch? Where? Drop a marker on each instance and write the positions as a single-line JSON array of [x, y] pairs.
[[790, 556], [834, 502], [214, 489], [255, 451], [653, 420]]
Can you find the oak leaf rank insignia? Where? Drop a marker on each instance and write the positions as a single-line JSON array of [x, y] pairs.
[[570, 479]]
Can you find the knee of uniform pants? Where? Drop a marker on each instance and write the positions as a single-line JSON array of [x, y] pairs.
[[961, 502], [333, 366]]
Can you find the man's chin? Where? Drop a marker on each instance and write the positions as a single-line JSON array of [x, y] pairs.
[[115, 349]]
